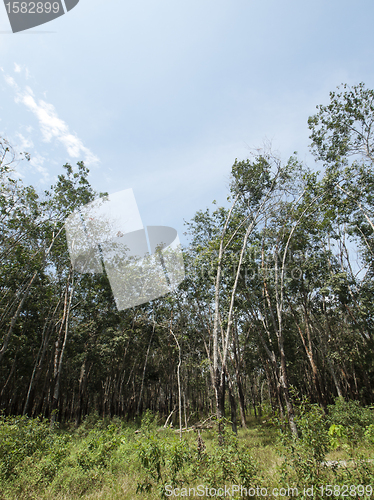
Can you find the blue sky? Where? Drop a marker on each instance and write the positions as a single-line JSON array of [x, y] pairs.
[[161, 97]]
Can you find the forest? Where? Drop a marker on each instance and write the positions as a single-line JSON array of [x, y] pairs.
[[275, 311]]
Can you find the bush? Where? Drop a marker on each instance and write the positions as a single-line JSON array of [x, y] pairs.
[[174, 463], [33, 457], [348, 421], [97, 448], [21, 437], [163, 462], [230, 463], [304, 456], [345, 426]]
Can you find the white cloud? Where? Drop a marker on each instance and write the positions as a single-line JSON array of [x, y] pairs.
[[25, 143], [17, 68], [10, 81], [51, 126], [37, 162]]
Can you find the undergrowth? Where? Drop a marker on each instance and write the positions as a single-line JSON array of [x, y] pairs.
[[110, 459]]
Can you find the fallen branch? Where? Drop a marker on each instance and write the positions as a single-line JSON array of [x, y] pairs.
[[169, 417]]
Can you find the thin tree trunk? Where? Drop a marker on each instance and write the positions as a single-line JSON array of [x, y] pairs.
[[232, 406], [58, 367], [9, 376], [39, 359], [144, 370], [218, 378], [179, 382], [15, 316], [239, 378]]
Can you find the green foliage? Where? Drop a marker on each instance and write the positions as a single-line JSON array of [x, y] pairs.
[[341, 430], [337, 434], [84, 468], [304, 455], [102, 455], [177, 463], [180, 456], [299, 304], [148, 422], [32, 456], [252, 178], [151, 453], [98, 447], [343, 127], [163, 461], [369, 433], [21, 437], [230, 463], [349, 420]]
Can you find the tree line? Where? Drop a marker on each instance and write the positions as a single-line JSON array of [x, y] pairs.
[[276, 303]]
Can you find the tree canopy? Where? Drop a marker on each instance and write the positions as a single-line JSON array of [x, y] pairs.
[[277, 299]]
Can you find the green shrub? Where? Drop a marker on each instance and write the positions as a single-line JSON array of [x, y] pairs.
[[97, 448], [167, 461], [230, 463], [350, 420], [304, 456], [21, 437], [152, 457], [163, 462]]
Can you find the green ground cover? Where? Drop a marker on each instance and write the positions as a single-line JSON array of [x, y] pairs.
[[114, 460]]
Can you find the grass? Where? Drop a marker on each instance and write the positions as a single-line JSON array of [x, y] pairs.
[[112, 460]]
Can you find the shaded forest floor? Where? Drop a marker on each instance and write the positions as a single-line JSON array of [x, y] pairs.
[[113, 460]]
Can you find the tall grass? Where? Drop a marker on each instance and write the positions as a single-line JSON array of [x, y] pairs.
[[114, 460]]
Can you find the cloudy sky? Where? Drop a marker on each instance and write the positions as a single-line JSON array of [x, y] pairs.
[[161, 97]]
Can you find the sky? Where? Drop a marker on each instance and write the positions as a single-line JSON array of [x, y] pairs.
[[161, 97]]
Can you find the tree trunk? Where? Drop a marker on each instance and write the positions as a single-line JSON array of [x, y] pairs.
[[58, 365], [144, 369], [232, 406], [15, 316]]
